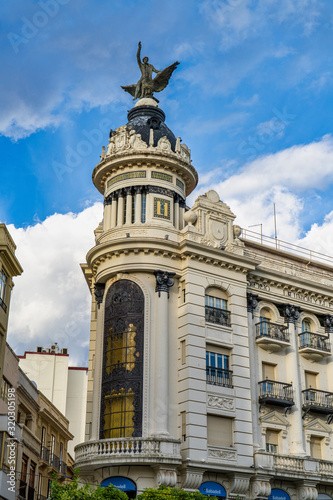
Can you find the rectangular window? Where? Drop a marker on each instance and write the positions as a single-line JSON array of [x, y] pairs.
[[3, 285], [315, 447], [268, 371], [133, 207], [32, 475], [23, 478], [119, 414], [217, 369], [183, 417], [272, 441], [52, 446], [143, 207], [311, 380], [264, 326], [3, 289], [5, 385], [216, 302], [219, 431], [183, 351]]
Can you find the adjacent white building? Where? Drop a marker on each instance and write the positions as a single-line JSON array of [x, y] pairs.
[[210, 362], [65, 386]]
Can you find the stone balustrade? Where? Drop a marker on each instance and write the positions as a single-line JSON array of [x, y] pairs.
[[129, 450]]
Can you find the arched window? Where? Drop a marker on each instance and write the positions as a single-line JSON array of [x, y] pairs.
[[216, 307], [122, 379], [265, 320]]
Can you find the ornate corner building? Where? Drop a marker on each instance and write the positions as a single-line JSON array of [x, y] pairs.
[[210, 362]]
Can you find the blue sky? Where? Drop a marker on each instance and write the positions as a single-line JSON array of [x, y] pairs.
[[252, 98]]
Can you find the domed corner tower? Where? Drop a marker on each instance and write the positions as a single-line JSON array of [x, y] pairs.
[[145, 174]]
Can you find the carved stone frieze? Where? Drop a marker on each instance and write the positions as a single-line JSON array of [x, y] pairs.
[[124, 139], [222, 454], [220, 402]]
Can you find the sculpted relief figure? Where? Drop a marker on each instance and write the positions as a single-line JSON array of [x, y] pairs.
[[147, 85]]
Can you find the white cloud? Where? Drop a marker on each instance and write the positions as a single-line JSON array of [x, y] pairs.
[[283, 178], [320, 236], [51, 301]]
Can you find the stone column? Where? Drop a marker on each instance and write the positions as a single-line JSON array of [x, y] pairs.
[[176, 210], [96, 402], [107, 213], [138, 201], [252, 303], [181, 213], [114, 210], [120, 218], [128, 192], [164, 281], [291, 314]]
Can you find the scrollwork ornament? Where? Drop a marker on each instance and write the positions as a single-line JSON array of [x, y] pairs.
[[291, 313], [164, 281]]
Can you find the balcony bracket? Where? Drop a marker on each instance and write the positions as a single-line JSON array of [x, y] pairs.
[[287, 411], [305, 413], [261, 406], [330, 418]]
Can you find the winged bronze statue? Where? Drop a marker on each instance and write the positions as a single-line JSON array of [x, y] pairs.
[[147, 85]]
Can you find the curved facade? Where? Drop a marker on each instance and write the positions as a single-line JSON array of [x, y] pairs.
[[210, 357]]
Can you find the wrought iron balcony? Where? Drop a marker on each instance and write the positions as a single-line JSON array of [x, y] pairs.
[[276, 393], [314, 345], [45, 454], [31, 493], [271, 335], [22, 488], [317, 401], [3, 305], [55, 461], [217, 316], [217, 376], [63, 468]]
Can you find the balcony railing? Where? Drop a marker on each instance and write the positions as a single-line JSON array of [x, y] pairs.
[[217, 316], [276, 393], [55, 461], [217, 376], [31, 493], [22, 488], [3, 305], [317, 401], [127, 450], [45, 454], [309, 340], [272, 331], [63, 468]]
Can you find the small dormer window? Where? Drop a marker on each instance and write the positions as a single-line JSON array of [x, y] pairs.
[[3, 289]]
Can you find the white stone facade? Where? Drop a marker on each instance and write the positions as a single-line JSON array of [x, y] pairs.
[[232, 417]]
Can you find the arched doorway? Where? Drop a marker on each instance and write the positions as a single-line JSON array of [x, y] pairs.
[[122, 483]]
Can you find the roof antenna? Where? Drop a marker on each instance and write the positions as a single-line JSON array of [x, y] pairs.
[[275, 232]]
